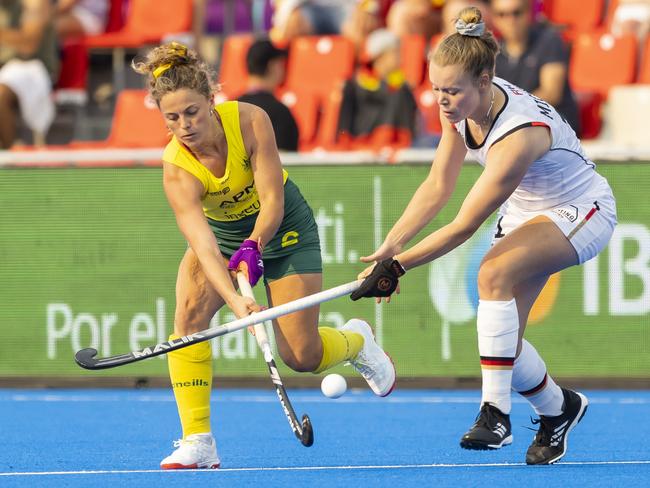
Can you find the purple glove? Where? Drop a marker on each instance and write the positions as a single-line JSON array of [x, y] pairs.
[[249, 254]]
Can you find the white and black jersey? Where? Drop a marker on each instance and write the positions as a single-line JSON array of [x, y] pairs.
[[561, 175]]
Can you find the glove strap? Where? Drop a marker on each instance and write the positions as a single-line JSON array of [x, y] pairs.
[[395, 266]]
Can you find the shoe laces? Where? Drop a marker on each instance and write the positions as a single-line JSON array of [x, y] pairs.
[[544, 433], [487, 416], [189, 443], [362, 365]]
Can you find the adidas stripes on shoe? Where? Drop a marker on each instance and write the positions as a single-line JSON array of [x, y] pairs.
[[550, 442], [491, 430]]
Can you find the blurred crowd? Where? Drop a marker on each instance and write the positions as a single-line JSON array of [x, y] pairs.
[[332, 74]]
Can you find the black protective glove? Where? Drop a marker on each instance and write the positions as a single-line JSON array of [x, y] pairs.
[[382, 281]]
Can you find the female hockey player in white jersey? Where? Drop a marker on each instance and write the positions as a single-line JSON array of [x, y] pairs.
[[555, 211]]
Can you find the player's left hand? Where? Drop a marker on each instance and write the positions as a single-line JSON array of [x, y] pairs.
[[248, 257], [382, 280]]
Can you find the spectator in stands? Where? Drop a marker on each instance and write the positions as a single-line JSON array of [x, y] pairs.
[[294, 18], [266, 69], [378, 104], [420, 17], [367, 16], [78, 18], [29, 64], [534, 57]]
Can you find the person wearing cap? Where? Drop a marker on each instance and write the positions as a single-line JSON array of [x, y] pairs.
[[266, 66], [378, 106]]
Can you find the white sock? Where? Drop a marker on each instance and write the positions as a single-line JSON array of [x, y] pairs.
[[530, 379], [498, 327]]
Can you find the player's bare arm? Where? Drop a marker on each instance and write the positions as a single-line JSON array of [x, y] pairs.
[[267, 171], [27, 37], [507, 164], [430, 197], [184, 195]]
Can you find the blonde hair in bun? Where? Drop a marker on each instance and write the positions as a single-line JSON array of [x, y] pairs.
[[473, 46], [172, 67]]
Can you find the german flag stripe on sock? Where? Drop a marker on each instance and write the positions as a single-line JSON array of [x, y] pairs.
[[491, 362], [537, 389]]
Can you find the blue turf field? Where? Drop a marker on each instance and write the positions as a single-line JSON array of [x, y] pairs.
[[82, 438]]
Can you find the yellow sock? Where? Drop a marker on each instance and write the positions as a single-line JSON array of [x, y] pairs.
[[338, 346], [190, 370]]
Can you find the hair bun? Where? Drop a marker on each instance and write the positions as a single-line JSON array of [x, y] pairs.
[[177, 49], [472, 29]]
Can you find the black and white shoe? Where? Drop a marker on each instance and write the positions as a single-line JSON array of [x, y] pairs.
[[490, 431], [550, 442]]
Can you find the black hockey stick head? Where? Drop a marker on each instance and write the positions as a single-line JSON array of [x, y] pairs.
[[86, 358], [307, 436]]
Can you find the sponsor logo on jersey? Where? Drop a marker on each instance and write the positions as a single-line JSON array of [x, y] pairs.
[[569, 213], [223, 191], [289, 238]]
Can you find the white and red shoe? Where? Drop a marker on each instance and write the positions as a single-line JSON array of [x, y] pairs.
[[196, 451], [372, 362]]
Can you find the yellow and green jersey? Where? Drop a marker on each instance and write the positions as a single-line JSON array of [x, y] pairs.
[[233, 196]]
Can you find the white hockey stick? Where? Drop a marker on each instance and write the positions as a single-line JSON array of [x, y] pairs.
[[86, 357]]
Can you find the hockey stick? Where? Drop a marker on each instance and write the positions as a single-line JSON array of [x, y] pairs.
[[303, 430], [86, 358]]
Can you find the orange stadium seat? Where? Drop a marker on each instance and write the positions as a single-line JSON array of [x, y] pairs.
[[644, 70], [304, 107], [576, 16], [147, 22], [600, 61], [232, 70], [318, 63], [329, 122], [136, 123], [413, 58]]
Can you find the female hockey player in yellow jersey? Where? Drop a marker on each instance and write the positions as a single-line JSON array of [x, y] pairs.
[[235, 204]]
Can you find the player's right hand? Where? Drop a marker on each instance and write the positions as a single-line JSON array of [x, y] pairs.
[[382, 281], [243, 306], [386, 250]]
